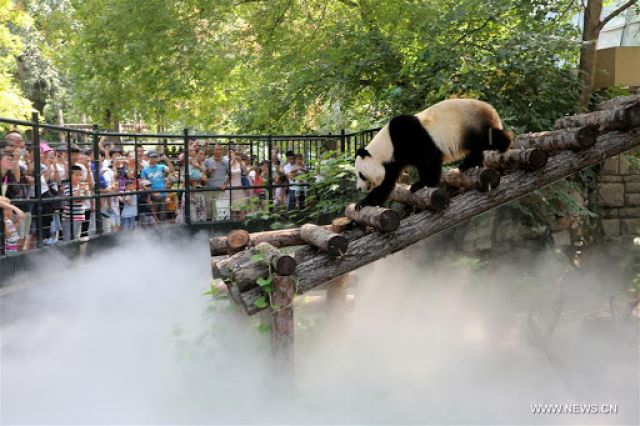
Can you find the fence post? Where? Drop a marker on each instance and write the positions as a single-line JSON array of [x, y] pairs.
[[2, 239], [270, 147], [343, 141], [187, 183], [37, 176], [96, 179]]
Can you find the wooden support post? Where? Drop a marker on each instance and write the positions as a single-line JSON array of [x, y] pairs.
[[482, 179], [516, 159], [282, 328], [383, 219], [425, 198], [325, 240], [559, 140], [625, 117]]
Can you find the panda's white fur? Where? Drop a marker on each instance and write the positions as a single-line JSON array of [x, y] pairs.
[[446, 123]]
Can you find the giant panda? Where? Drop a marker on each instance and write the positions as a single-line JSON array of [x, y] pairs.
[[447, 131]]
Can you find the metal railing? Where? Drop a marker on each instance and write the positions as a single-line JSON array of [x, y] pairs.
[[46, 202]]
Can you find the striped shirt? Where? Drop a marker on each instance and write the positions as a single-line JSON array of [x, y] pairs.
[[78, 205]]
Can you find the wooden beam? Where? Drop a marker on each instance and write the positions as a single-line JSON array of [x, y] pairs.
[[383, 219], [244, 271], [425, 198], [278, 239], [619, 102], [625, 117], [482, 179], [322, 268], [559, 140], [325, 240], [516, 159]]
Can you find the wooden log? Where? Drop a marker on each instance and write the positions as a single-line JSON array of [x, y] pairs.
[[278, 239], [340, 225], [242, 270], [322, 268], [425, 198], [246, 274], [625, 117], [619, 102], [516, 159], [325, 240], [558, 140], [237, 240], [482, 179], [282, 327], [383, 219]]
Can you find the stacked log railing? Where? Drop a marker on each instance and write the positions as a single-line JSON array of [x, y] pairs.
[[319, 254]]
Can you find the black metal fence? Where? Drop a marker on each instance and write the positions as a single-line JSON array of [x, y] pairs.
[[54, 204]]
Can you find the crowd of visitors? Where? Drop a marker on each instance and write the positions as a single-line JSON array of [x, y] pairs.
[[137, 187]]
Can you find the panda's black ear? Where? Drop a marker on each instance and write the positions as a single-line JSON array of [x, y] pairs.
[[362, 152]]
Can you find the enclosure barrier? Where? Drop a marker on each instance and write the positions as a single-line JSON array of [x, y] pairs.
[[46, 208]]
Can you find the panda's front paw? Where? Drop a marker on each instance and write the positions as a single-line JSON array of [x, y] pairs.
[[417, 186]]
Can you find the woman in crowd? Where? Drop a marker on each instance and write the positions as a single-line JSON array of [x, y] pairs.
[[238, 196]]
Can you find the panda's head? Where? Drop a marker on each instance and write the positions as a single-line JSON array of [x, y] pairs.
[[369, 171]]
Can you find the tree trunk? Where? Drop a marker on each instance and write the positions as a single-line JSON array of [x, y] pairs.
[[587, 67]]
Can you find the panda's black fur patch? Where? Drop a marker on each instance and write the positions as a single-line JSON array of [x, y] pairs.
[[362, 152], [413, 146]]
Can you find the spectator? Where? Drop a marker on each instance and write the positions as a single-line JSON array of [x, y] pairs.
[[130, 207], [301, 193], [74, 211], [280, 192], [146, 216], [292, 169], [217, 173], [12, 216], [143, 160], [13, 189], [156, 174], [238, 196]]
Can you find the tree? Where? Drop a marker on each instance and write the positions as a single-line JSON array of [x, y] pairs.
[[592, 25], [13, 104]]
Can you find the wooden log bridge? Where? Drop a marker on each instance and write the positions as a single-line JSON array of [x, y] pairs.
[[374, 232], [322, 267]]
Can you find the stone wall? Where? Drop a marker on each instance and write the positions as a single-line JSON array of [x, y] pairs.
[[619, 197], [617, 203]]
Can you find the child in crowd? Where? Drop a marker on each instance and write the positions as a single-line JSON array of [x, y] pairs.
[[74, 211], [280, 192], [130, 207], [145, 214], [12, 217]]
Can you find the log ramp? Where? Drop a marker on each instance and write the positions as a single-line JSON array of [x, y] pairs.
[[247, 261]]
